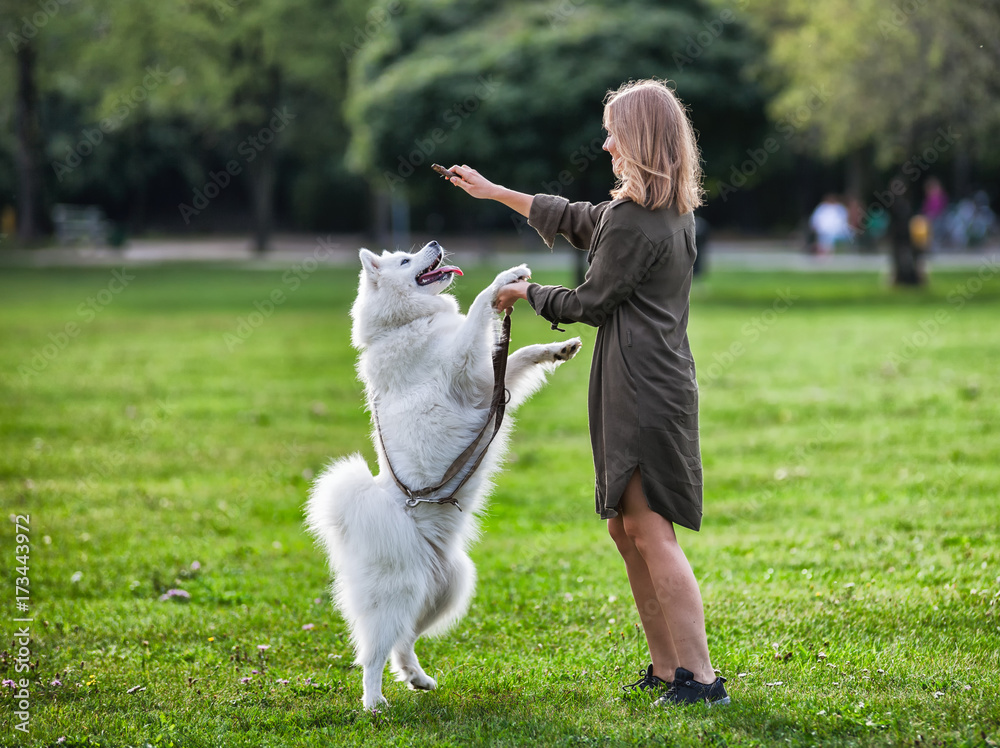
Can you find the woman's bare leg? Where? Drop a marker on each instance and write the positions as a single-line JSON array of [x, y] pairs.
[[672, 581], [654, 623]]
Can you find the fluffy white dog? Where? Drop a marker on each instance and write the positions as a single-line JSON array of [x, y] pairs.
[[402, 571]]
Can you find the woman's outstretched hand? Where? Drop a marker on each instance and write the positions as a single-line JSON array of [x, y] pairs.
[[480, 187], [474, 183]]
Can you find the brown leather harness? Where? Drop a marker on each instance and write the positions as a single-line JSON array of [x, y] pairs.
[[497, 406]]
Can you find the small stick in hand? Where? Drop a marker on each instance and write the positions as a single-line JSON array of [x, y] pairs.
[[446, 173]]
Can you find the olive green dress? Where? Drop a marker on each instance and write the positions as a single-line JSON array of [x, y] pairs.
[[643, 402]]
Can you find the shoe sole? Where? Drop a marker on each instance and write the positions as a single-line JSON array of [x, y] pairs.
[[726, 701]]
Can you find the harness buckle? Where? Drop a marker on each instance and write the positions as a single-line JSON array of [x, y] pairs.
[[412, 501]]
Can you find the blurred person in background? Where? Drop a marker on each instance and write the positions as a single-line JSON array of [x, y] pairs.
[[933, 209], [829, 221], [971, 222]]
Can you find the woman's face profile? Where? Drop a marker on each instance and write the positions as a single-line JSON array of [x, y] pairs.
[[612, 147]]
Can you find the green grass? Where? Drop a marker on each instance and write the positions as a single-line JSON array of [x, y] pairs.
[[849, 559]]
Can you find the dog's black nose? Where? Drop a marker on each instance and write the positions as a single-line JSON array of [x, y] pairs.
[[433, 244]]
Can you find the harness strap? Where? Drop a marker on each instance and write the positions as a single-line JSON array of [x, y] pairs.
[[498, 405]]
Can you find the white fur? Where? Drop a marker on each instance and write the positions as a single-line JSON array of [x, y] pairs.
[[403, 572]]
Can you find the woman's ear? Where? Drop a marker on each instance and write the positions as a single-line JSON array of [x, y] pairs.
[[371, 263]]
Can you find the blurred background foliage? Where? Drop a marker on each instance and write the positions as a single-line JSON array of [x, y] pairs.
[[325, 114]]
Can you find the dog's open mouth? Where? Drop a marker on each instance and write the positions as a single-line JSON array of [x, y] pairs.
[[436, 271]]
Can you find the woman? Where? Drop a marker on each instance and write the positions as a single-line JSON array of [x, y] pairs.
[[643, 401]]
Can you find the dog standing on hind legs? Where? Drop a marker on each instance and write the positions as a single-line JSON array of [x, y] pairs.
[[401, 569]]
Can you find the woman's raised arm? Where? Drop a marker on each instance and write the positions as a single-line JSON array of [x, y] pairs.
[[480, 187]]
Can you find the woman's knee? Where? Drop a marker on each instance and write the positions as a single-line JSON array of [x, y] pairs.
[[616, 529], [636, 529]]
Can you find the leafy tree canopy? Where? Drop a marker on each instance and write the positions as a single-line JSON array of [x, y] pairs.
[[517, 87], [894, 73]]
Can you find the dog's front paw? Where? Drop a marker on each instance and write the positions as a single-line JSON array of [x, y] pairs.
[[556, 353], [372, 702], [521, 272]]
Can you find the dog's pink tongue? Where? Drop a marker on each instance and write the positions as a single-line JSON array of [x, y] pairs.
[[449, 269]]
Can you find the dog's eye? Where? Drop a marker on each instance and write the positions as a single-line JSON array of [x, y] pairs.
[[404, 262]]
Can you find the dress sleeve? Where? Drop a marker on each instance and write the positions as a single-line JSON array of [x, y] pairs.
[[551, 215], [623, 259]]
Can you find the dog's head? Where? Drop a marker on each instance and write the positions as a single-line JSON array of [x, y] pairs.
[[405, 274], [396, 288]]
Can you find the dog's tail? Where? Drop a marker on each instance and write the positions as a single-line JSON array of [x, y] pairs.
[[334, 496]]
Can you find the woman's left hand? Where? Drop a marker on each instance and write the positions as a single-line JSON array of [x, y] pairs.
[[510, 293]]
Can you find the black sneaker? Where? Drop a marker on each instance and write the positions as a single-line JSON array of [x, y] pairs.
[[648, 683], [686, 690]]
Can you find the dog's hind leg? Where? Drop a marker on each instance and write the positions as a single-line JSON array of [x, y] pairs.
[[372, 656], [451, 600], [407, 667], [385, 619], [373, 648]]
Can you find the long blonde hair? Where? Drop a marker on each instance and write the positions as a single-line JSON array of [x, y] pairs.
[[659, 160]]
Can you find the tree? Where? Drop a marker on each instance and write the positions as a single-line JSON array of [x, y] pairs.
[[21, 24], [232, 69], [516, 87], [905, 84]]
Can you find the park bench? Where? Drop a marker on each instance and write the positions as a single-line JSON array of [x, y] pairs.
[[80, 223]]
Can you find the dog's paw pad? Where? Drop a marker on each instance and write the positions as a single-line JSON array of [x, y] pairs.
[[569, 349], [521, 272]]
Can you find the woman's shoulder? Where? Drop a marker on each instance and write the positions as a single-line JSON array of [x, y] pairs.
[[658, 225]]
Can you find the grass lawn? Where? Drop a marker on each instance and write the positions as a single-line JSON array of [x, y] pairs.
[[849, 558]]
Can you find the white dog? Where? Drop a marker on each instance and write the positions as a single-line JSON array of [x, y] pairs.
[[402, 571]]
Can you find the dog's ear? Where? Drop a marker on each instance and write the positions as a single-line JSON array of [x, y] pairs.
[[372, 263]]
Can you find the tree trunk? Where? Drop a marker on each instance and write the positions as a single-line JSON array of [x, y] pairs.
[[28, 136], [857, 173], [262, 195], [138, 177], [264, 167], [961, 170]]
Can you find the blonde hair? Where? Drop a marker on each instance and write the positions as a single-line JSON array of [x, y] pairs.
[[658, 151]]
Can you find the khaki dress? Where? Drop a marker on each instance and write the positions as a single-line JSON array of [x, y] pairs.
[[643, 401]]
